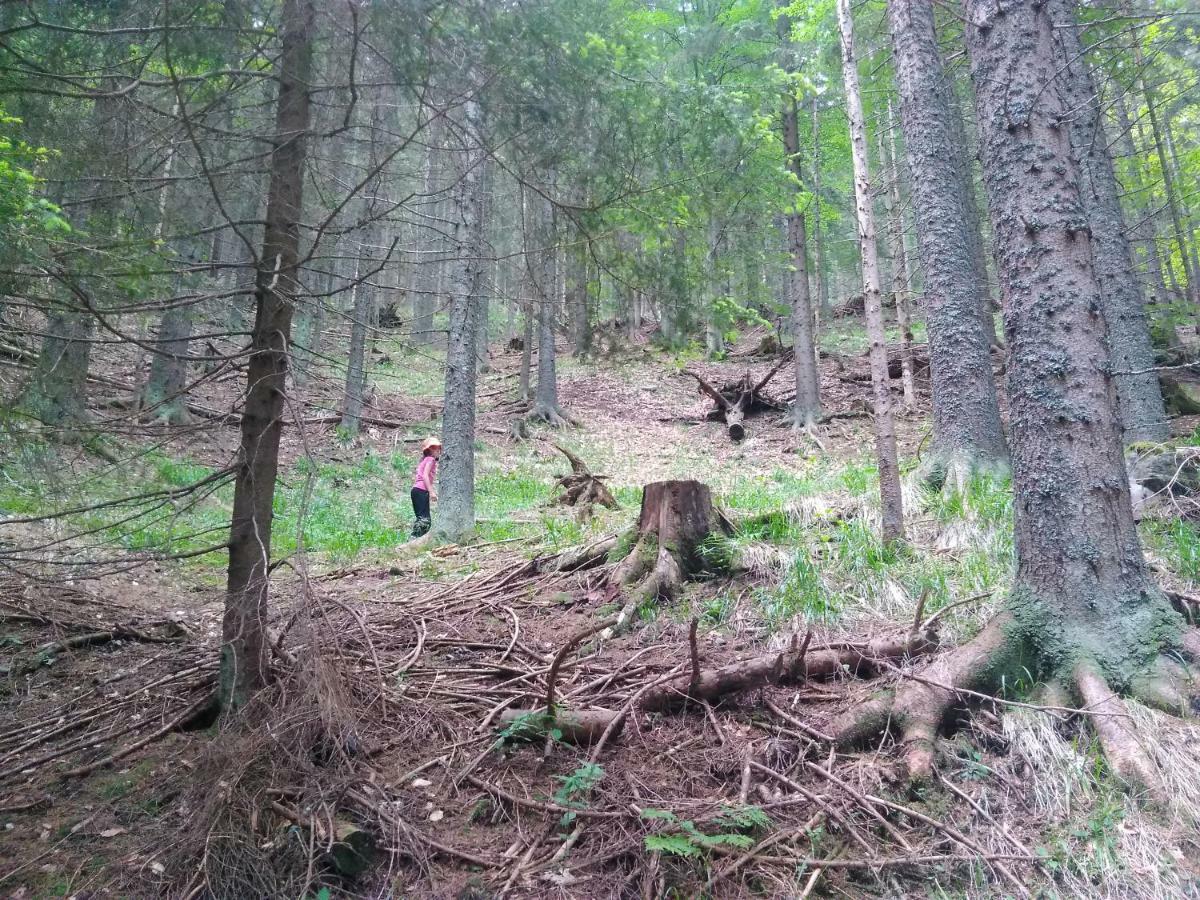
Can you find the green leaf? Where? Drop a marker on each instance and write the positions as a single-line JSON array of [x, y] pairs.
[[675, 844]]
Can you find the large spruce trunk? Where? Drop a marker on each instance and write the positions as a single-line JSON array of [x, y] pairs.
[[1082, 591], [1138, 392], [966, 415], [455, 517], [244, 663]]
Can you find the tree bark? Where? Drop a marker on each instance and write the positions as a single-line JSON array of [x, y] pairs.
[[806, 410], [889, 163], [892, 510], [1169, 187], [455, 518], [244, 664], [966, 414], [1082, 590], [1138, 393], [163, 396], [426, 271]]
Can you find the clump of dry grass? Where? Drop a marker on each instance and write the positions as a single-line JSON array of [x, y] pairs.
[[1098, 841]]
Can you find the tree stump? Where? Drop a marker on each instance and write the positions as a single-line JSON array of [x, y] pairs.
[[676, 518]]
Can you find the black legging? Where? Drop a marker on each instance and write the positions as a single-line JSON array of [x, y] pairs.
[[420, 502]]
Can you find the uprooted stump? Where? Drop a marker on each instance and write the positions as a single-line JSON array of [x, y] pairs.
[[739, 399], [677, 517], [582, 489]]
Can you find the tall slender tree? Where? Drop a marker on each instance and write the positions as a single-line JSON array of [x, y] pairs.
[[1138, 391], [456, 476], [885, 426], [806, 409], [244, 663], [966, 414]]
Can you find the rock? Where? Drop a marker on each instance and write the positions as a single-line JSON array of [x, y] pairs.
[[1160, 478], [1180, 393]]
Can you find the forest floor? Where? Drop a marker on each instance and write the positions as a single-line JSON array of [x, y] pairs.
[[382, 734]]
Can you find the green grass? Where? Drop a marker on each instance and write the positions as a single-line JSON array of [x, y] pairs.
[[1177, 541]]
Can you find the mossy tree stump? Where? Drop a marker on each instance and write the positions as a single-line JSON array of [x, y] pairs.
[[677, 517]]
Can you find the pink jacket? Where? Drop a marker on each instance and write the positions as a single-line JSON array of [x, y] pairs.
[[426, 473]]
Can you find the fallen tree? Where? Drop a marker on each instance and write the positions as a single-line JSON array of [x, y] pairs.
[[739, 399], [796, 664]]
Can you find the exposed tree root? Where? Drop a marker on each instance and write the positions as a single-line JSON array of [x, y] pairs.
[[554, 416], [1125, 754], [920, 706], [795, 664]]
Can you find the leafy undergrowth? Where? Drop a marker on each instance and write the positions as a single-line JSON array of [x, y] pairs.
[[397, 671]]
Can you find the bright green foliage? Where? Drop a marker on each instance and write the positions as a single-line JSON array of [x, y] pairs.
[[733, 827]]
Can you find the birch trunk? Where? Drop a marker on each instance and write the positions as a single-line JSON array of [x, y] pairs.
[[892, 509]]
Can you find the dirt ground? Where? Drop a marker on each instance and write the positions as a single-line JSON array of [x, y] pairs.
[[381, 733]]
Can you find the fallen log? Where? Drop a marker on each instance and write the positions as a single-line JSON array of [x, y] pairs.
[[784, 667], [739, 399], [571, 726]]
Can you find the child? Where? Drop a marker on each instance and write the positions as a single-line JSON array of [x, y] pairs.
[[425, 485]]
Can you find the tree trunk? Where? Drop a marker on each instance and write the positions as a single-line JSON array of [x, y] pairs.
[[962, 154], [1173, 204], [1144, 231], [1082, 592], [545, 404], [244, 663], [57, 391], [577, 296], [822, 278], [163, 396], [356, 363], [889, 163], [1138, 393], [806, 410], [966, 415], [892, 525], [426, 271], [456, 475]]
